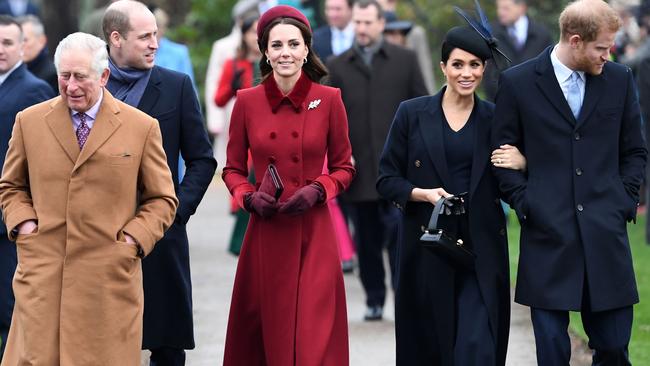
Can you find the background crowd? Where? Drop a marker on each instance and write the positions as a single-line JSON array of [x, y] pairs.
[[215, 44]]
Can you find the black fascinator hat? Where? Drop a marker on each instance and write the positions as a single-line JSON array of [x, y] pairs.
[[465, 38], [481, 28]]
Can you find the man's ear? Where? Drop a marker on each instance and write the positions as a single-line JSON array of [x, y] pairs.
[[575, 41], [115, 39]]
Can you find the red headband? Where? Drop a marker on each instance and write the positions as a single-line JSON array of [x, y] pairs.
[[280, 11]]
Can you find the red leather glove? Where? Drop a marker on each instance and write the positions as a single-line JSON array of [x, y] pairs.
[[304, 198], [261, 203]]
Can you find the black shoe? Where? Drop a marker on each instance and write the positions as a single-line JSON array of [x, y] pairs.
[[347, 266], [374, 312]]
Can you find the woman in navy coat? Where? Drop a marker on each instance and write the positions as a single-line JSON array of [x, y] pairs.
[[439, 146]]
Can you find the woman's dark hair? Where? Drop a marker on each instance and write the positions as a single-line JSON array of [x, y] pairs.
[[314, 67], [446, 51], [246, 24]]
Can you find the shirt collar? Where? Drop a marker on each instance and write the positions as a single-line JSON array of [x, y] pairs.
[[521, 26], [562, 72], [4, 76], [296, 97], [347, 31]]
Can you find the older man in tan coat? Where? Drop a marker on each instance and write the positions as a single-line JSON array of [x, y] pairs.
[[85, 192]]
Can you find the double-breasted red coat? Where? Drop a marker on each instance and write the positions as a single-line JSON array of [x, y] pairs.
[[288, 304]]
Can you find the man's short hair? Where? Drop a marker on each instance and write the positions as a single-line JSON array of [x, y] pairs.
[[37, 25], [366, 3], [85, 42], [117, 19], [587, 18], [6, 20]]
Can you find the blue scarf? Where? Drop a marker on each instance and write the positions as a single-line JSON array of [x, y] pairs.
[[127, 84]]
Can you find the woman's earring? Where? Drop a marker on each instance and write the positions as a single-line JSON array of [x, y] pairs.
[[304, 61], [268, 62]]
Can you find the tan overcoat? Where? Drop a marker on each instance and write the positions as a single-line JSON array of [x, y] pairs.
[[78, 284]]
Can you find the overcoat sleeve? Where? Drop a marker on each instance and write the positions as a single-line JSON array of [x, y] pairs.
[[632, 145], [235, 173], [196, 151], [15, 196], [224, 92], [339, 151], [506, 129], [418, 87], [392, 183], [158, 202]]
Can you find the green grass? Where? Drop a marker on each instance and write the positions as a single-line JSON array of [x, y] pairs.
[[640, 344]]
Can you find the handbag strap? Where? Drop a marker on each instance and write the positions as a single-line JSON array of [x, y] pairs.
[[437, 209]]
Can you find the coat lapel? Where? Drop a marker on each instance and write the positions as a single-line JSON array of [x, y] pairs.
[[151, 92], [547, 82], [60, 123], [430, 121], [481, 144], [593, 90], [105, 124], [14, 79], [358, 63]]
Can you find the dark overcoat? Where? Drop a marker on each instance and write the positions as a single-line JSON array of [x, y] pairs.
[[20, 90], [581, 187], [170, 98], [322, 42], [414, 156], [371, 97]]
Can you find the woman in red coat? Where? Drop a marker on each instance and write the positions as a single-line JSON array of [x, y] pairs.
[[240, 72], [288, 304]]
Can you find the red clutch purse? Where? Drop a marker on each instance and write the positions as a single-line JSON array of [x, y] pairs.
[[271, 182]]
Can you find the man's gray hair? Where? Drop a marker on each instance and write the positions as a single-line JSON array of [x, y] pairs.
[[85, 42], [37, 25]]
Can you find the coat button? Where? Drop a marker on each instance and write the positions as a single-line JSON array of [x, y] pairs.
[[578, 172], [295, 158], [580, 207], [577, 136], [295, 134], [502, 232], [295, 182], [272, 159], [418, 163], [272, 135]]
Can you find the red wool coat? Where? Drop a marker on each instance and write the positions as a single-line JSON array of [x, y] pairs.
[[224, 90], [288, 303]]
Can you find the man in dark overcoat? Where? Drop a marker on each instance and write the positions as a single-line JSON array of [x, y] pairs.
[[520, 38], [579, 125], [374, 77], [19, 89], [169, 97]]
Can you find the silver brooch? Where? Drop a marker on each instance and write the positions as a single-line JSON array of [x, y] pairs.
[[313, 104]]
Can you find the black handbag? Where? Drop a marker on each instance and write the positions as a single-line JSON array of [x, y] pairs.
[[444, 242]]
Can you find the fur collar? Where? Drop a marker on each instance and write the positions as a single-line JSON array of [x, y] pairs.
[[296, 97]]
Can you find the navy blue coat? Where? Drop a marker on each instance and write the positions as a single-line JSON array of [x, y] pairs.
[[20, 90], [414, 156], [322, 42], [170, 98], [581, 187]]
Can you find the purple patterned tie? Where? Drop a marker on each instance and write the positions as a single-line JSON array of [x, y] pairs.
[[82, 131]]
